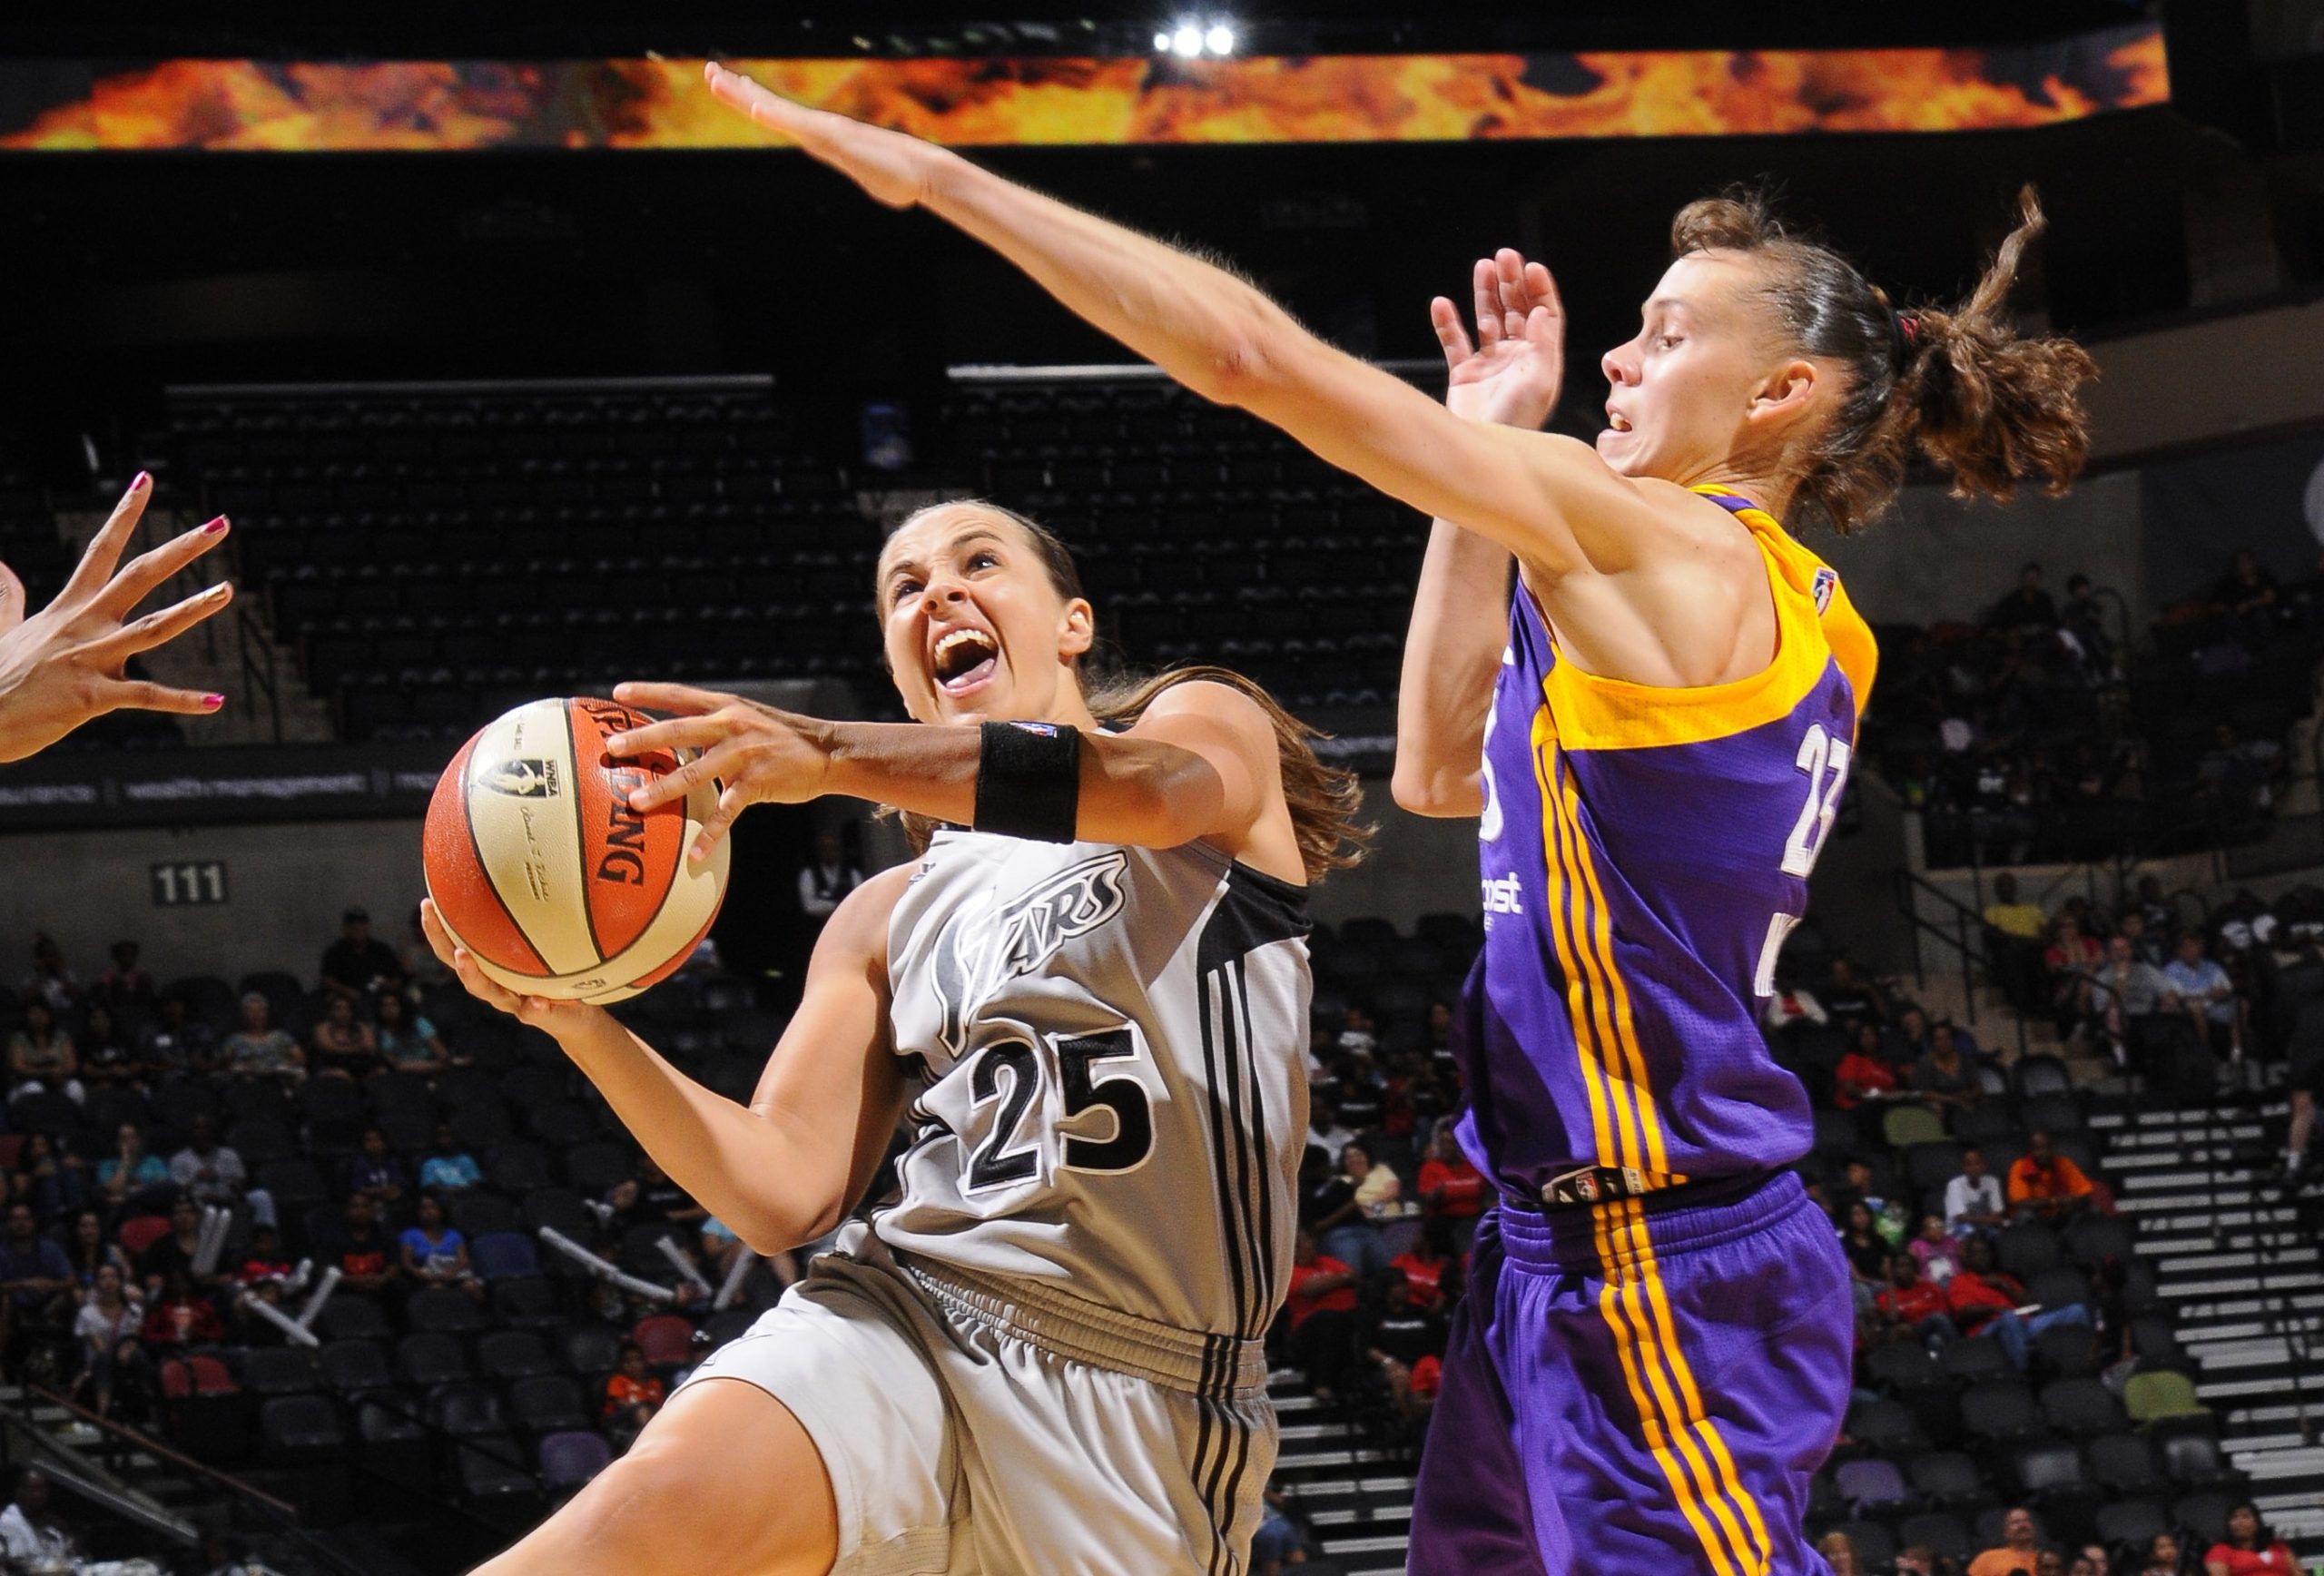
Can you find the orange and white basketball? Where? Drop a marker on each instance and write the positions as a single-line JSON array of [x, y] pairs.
[[542, 871]]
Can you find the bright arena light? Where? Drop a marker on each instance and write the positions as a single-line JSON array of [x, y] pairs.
[[1161, 44], [1187, 40], [1220, 38]]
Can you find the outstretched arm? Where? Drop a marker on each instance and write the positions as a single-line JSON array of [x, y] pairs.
[[1229, 342], [1509, 374], [63, 666], [1201, 764], [786, 1168]]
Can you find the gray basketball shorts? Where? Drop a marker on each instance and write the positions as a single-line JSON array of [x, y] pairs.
[[979, 1426]]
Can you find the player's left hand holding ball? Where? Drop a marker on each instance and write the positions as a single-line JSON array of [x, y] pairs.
[[762, 755], [62, 665]]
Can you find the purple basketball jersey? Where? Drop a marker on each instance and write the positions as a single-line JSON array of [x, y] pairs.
[[1644, 853]]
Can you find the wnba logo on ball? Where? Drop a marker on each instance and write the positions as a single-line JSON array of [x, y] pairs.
[[524, 779]]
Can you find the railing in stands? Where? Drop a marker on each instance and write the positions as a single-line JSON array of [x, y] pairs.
[[28, 1443], [282, 1516], [1954, 926]]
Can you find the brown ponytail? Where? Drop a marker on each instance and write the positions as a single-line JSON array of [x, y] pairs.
[[1323, 800], [1957, 385]]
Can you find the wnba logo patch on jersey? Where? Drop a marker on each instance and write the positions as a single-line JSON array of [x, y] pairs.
[[1826, 582], [976, 955]]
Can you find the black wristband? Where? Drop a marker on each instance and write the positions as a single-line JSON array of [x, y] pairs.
[[1028, 781]]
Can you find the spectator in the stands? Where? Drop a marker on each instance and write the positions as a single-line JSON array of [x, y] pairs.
[[50, 1177], [365, 1257], [1278, 1542], [1405, 1343], [2247, 594], [2016, 933], [632, 1394], [2238, 769], [408, 1041], [1867, 1253], [1378, 1189], [178, 1043], [2129, 995], [2084, 618], [1910, 1308], [2094, 1560], [2046, 1184], [358, 964], [260, 1050], [50, 981], [2021, 1547], [1864, 1073], [1324, 1130], [2072, 959], [1851, 1002], [1906, 1040], [448, 1167], [1839, 1552], [1328, 1208], [1440, 1031], [35, 1271], [262, 1259], [2163, 1557], [377, 1175], [1359, 1093], [41, 1056], [344, 1045], [180, 1316], [124, 984], [434, 1253], [1920, 1559], [108, 1061], [213, 1173], [1320, 1307], [1431, 1264], [89, 1250], [416, 960], [2030, 607], [2145, 945], [1792, 1008], [2207, 995], [107, 1327], [660, 1199], [1449, 1184], [1936, 1250], [1985, 1299], [2249, 1549], [1854, 1188], [175, 1250], [31, 1536], [1945, 1076], [826, 880], [1973, 1200]]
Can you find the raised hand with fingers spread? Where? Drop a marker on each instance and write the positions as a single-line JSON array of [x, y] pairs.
[[1511, 373], [63, 666]]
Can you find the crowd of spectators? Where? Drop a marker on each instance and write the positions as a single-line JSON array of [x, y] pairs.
[[2044, 731]]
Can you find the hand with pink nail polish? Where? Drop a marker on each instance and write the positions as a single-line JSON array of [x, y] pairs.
[[66, 664]]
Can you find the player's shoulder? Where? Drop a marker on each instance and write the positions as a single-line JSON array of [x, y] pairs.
[[859, 923], [1215, 697]]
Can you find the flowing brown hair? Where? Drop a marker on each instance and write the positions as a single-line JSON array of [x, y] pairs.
[[1323, 799], [1958, 384]]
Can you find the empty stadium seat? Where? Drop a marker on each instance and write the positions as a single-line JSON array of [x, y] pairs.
[[2000, 1410], [297, 1429], [277, 1371], [570, 1458], [444, 1309], [430, 1358], [1947, 1480], [1872, 1485], [504, 1256], [667, 1339], [2130, 1524], [1941, 1531], [2081, 1408], [548, 1403], [2123, 1464], [2163, 1397], [355, 1366], [514, 1354], [528, 1303]]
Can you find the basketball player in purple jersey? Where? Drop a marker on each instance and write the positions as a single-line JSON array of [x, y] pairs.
[[1654, 1353]]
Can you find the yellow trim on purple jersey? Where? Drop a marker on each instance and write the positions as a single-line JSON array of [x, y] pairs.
[[1815, 624]]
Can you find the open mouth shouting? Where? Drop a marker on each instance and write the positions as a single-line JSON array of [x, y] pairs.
[[963, 660]]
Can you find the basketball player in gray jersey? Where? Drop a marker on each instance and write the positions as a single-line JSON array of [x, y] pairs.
[[1087, 1002]]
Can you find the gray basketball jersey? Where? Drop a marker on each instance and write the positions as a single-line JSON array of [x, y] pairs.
[[1114, 1096]]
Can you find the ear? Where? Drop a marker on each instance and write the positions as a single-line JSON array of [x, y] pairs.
[[1788, 393], [1077, 631]]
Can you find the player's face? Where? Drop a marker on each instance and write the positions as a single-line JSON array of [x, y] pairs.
[[975, 631], [1682, 391]]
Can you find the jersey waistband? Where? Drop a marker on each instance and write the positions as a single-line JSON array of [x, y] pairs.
[[1212, 1366], [1688, 1218]]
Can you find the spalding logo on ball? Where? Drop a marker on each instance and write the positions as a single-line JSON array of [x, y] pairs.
[[544, 874]]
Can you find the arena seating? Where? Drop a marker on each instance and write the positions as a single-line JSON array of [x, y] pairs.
[[432, 555]]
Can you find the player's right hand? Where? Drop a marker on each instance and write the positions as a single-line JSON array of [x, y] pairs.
[[550, 1017], [1511, 373], [63, 666]]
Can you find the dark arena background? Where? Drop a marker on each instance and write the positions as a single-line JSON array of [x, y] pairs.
[[521, 368]]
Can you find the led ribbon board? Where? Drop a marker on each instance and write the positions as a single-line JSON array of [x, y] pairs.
[[425, 106]]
